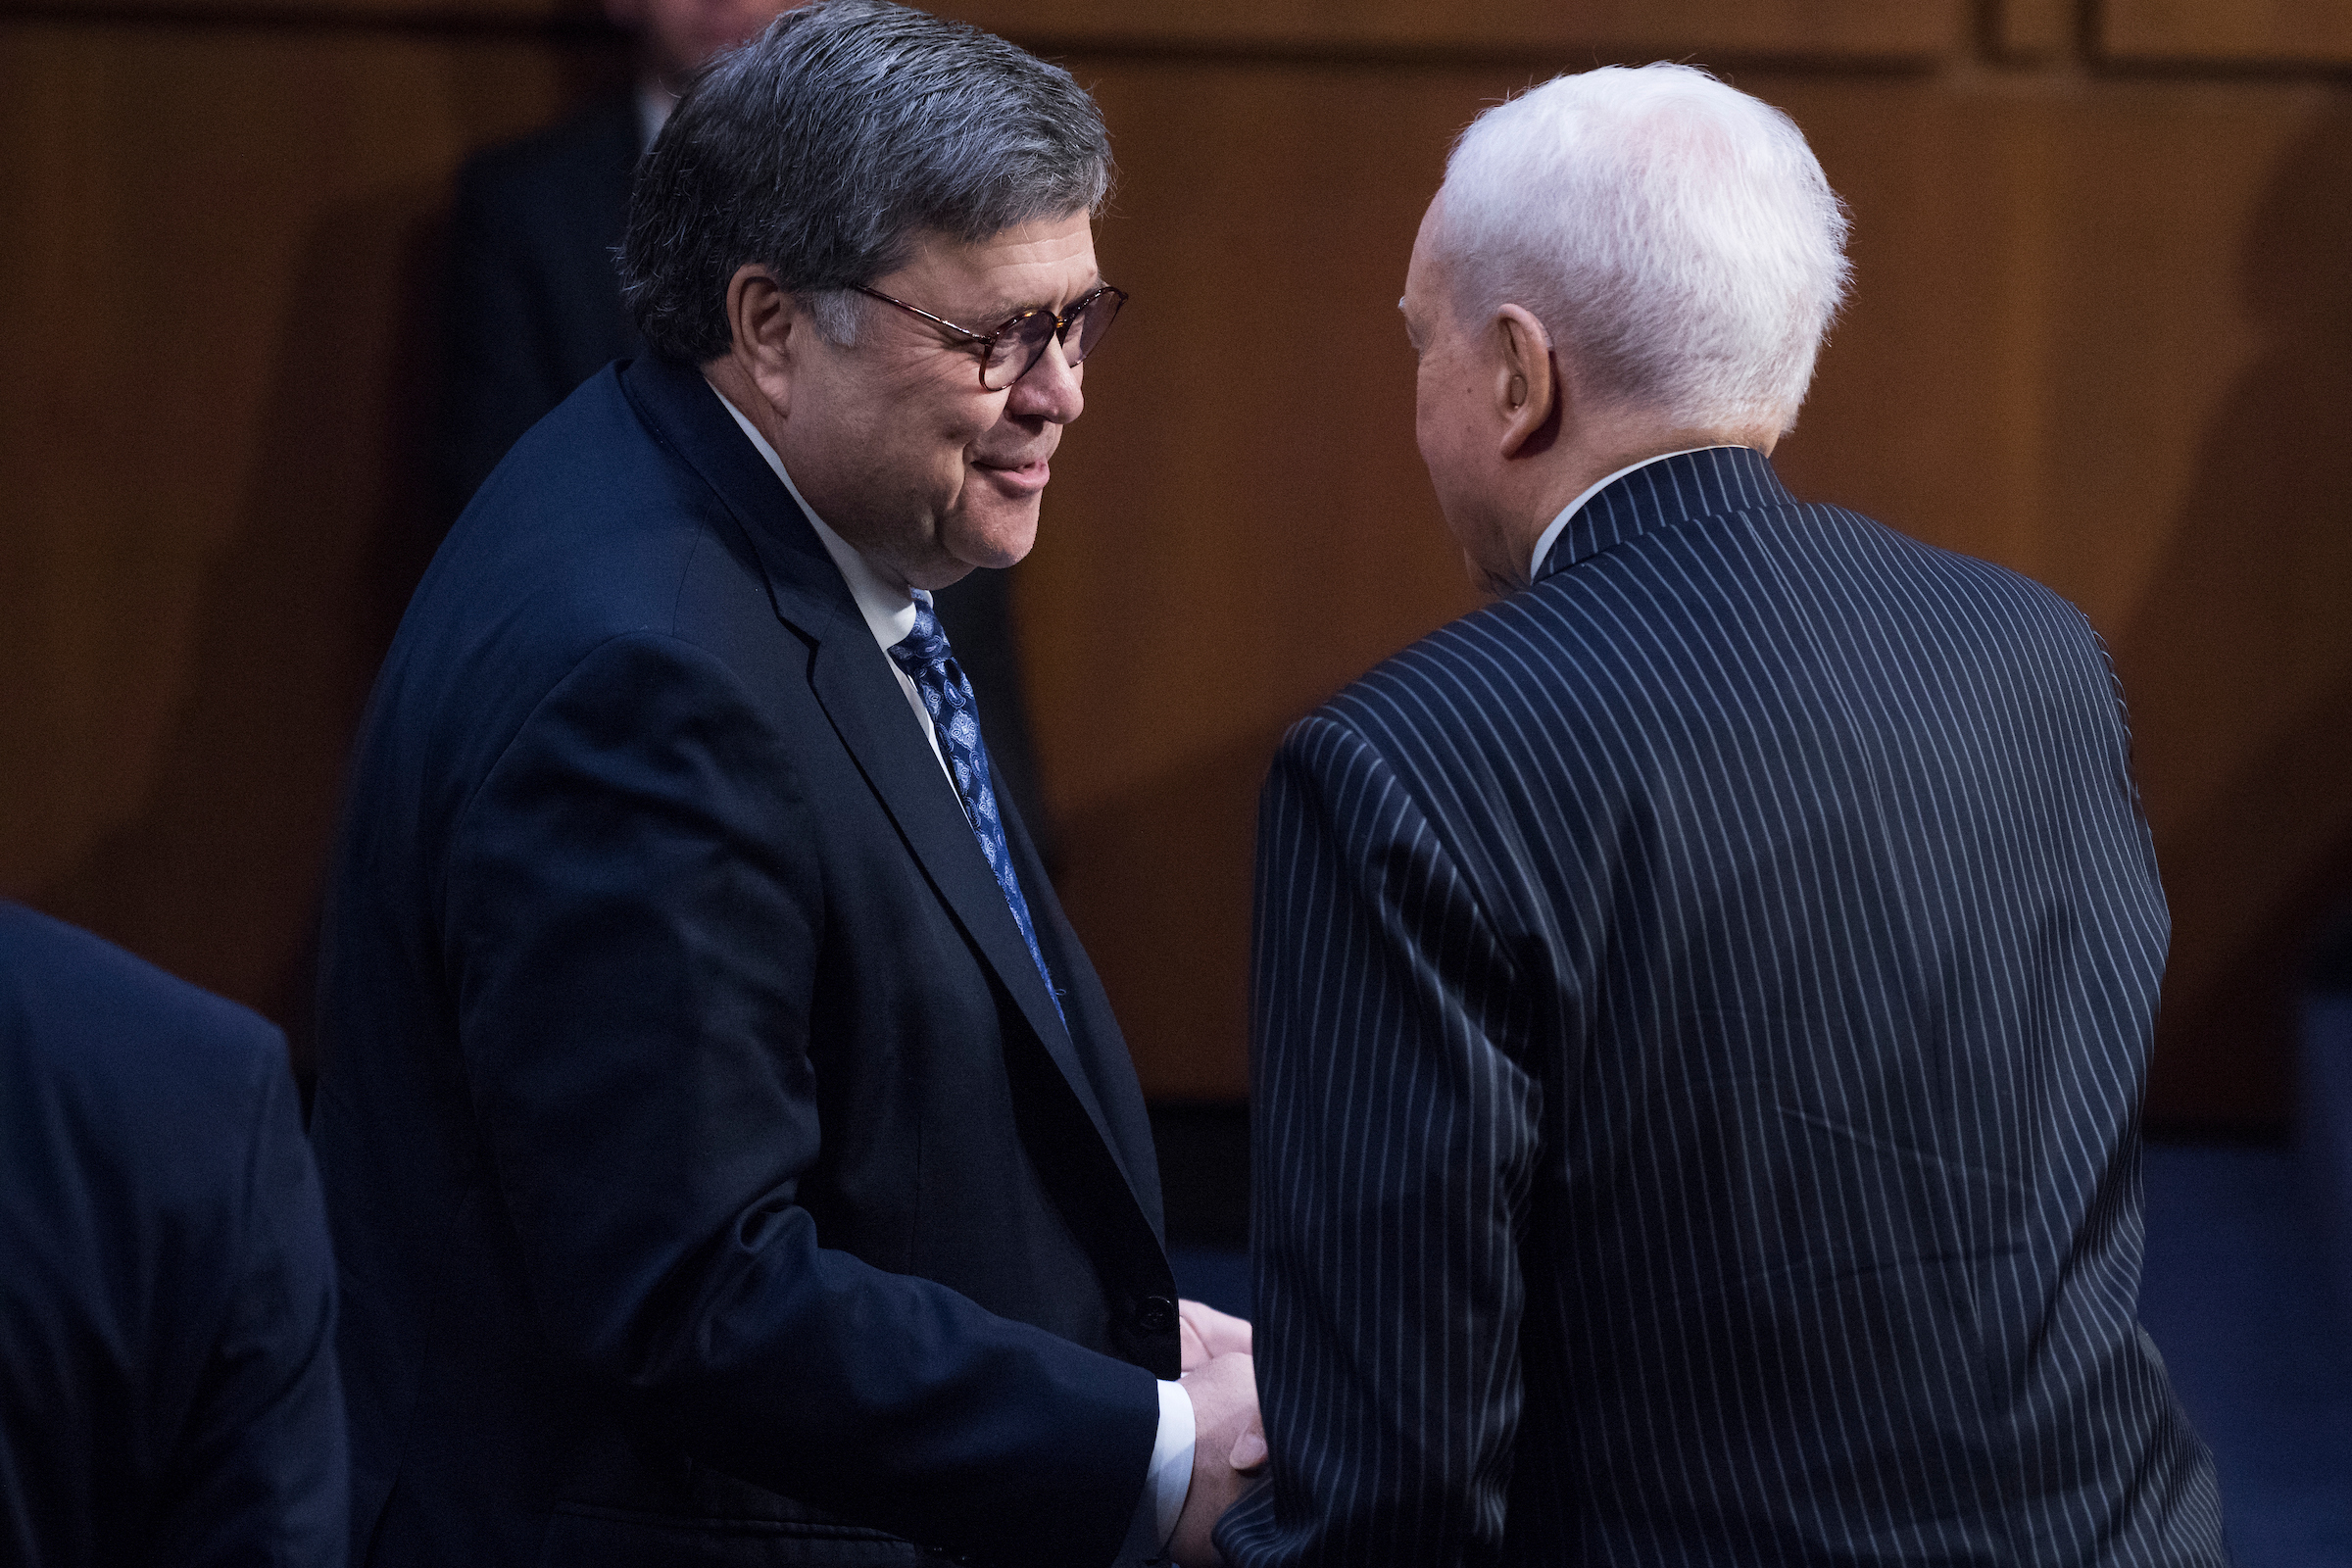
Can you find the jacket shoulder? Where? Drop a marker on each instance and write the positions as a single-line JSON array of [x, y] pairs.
[[1604, 633], [80, 1014]]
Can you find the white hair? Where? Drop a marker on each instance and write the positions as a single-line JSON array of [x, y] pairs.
[[1675, 236]]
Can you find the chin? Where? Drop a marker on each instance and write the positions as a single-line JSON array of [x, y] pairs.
[[998, 540]]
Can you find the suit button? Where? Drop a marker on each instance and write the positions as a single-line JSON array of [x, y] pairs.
[[1156, 1315]]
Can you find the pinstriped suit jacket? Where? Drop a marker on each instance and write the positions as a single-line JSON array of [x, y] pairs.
[[1701, 1006]]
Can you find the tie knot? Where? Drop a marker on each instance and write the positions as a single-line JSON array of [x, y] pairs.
[[925, 648]]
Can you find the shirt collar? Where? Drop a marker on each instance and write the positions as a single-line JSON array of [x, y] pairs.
[[1551, 533], [883, 599]]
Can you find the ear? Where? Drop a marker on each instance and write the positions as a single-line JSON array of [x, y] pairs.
[[1527, 384], [768, 333]]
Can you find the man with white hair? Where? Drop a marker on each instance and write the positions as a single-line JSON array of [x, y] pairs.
[[1701, 1000]]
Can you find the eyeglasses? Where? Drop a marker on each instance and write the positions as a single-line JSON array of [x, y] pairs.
[[1008, 353]]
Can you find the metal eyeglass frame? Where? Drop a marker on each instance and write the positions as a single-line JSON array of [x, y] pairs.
[[1062, 323]]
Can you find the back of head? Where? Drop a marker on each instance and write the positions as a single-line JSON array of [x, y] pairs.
[[824, 147], [1675, 236]]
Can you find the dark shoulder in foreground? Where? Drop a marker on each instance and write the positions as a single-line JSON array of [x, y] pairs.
[[75, 1006]]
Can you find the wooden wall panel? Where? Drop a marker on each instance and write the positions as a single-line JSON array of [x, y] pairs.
[[2035, 30], [223, 253], [1828, 28], [2229, 31], [1888, 28], [2101, 333], [1239, 523], [533, 19]]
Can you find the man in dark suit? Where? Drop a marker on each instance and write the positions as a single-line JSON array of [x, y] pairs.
[[1701, 1000], [533, 308], [732, 1153], [167, 1389]]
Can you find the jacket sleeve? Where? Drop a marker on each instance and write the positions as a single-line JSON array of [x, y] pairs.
[[634, 912], [261, 1471], [1393, 1144]]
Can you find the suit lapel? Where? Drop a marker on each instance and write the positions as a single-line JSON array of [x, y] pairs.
[[870, 714], [864, 702]]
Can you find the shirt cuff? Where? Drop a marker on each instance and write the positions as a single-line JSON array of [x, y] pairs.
[[1167, 1481]]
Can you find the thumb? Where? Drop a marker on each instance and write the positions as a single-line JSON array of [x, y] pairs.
[[1249, 1449]]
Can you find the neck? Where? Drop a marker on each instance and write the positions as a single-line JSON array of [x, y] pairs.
[[735, 384], [1603, 447]]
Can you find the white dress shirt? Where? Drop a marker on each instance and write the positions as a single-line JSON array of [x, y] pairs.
[[1551, 533], [888, 606]]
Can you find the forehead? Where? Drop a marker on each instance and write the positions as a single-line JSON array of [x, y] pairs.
[[1049, 262], [1425, 273]]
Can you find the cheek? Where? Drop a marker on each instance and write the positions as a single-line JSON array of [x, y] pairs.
[[959, 421], [1435, 431], [1424, 410]]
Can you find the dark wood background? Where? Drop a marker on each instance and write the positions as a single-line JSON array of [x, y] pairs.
[[2102, 333]]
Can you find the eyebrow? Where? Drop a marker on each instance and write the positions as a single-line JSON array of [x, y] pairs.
[[1007, 307]]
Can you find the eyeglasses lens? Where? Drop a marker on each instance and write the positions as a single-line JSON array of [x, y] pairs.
[[1024, 344], [1091, 323], [1016, 349]]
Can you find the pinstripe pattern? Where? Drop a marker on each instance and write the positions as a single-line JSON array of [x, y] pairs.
[[1701, 1006]]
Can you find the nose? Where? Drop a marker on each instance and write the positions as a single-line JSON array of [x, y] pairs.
[[1050, 390]]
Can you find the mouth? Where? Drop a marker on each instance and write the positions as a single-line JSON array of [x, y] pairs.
[[1024, 477]]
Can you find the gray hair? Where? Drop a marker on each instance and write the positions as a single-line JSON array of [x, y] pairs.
[[1676, 235], [825, 147]]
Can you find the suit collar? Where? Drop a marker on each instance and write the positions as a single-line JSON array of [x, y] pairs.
[[1712, 482], [861, 695], [678, 406]]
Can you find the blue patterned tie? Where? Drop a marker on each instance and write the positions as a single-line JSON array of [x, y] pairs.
[[947, 695]]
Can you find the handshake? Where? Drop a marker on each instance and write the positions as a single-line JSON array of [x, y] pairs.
[[1229, 1439]]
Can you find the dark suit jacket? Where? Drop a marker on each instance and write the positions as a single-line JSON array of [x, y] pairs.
[[534, 309], [713, 1179], [167, 1388], [1701, 1008]]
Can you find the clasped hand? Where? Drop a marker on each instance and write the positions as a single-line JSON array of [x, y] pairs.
[[1229, 1439]]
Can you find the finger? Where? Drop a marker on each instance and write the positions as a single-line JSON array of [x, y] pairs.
[[1190, 1349], [1249, 1449], [1221, 1332]]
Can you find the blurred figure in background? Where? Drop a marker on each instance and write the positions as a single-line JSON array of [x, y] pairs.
[[168, 1382], [1702, 1001], [534, 304], [534, 309]]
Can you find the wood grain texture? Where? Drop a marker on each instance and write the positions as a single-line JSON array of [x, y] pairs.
[[2312, 33], [1889, 30], [2035, 30], [2100, 333], [1885, 28], [1241, 523], [531, 19]]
